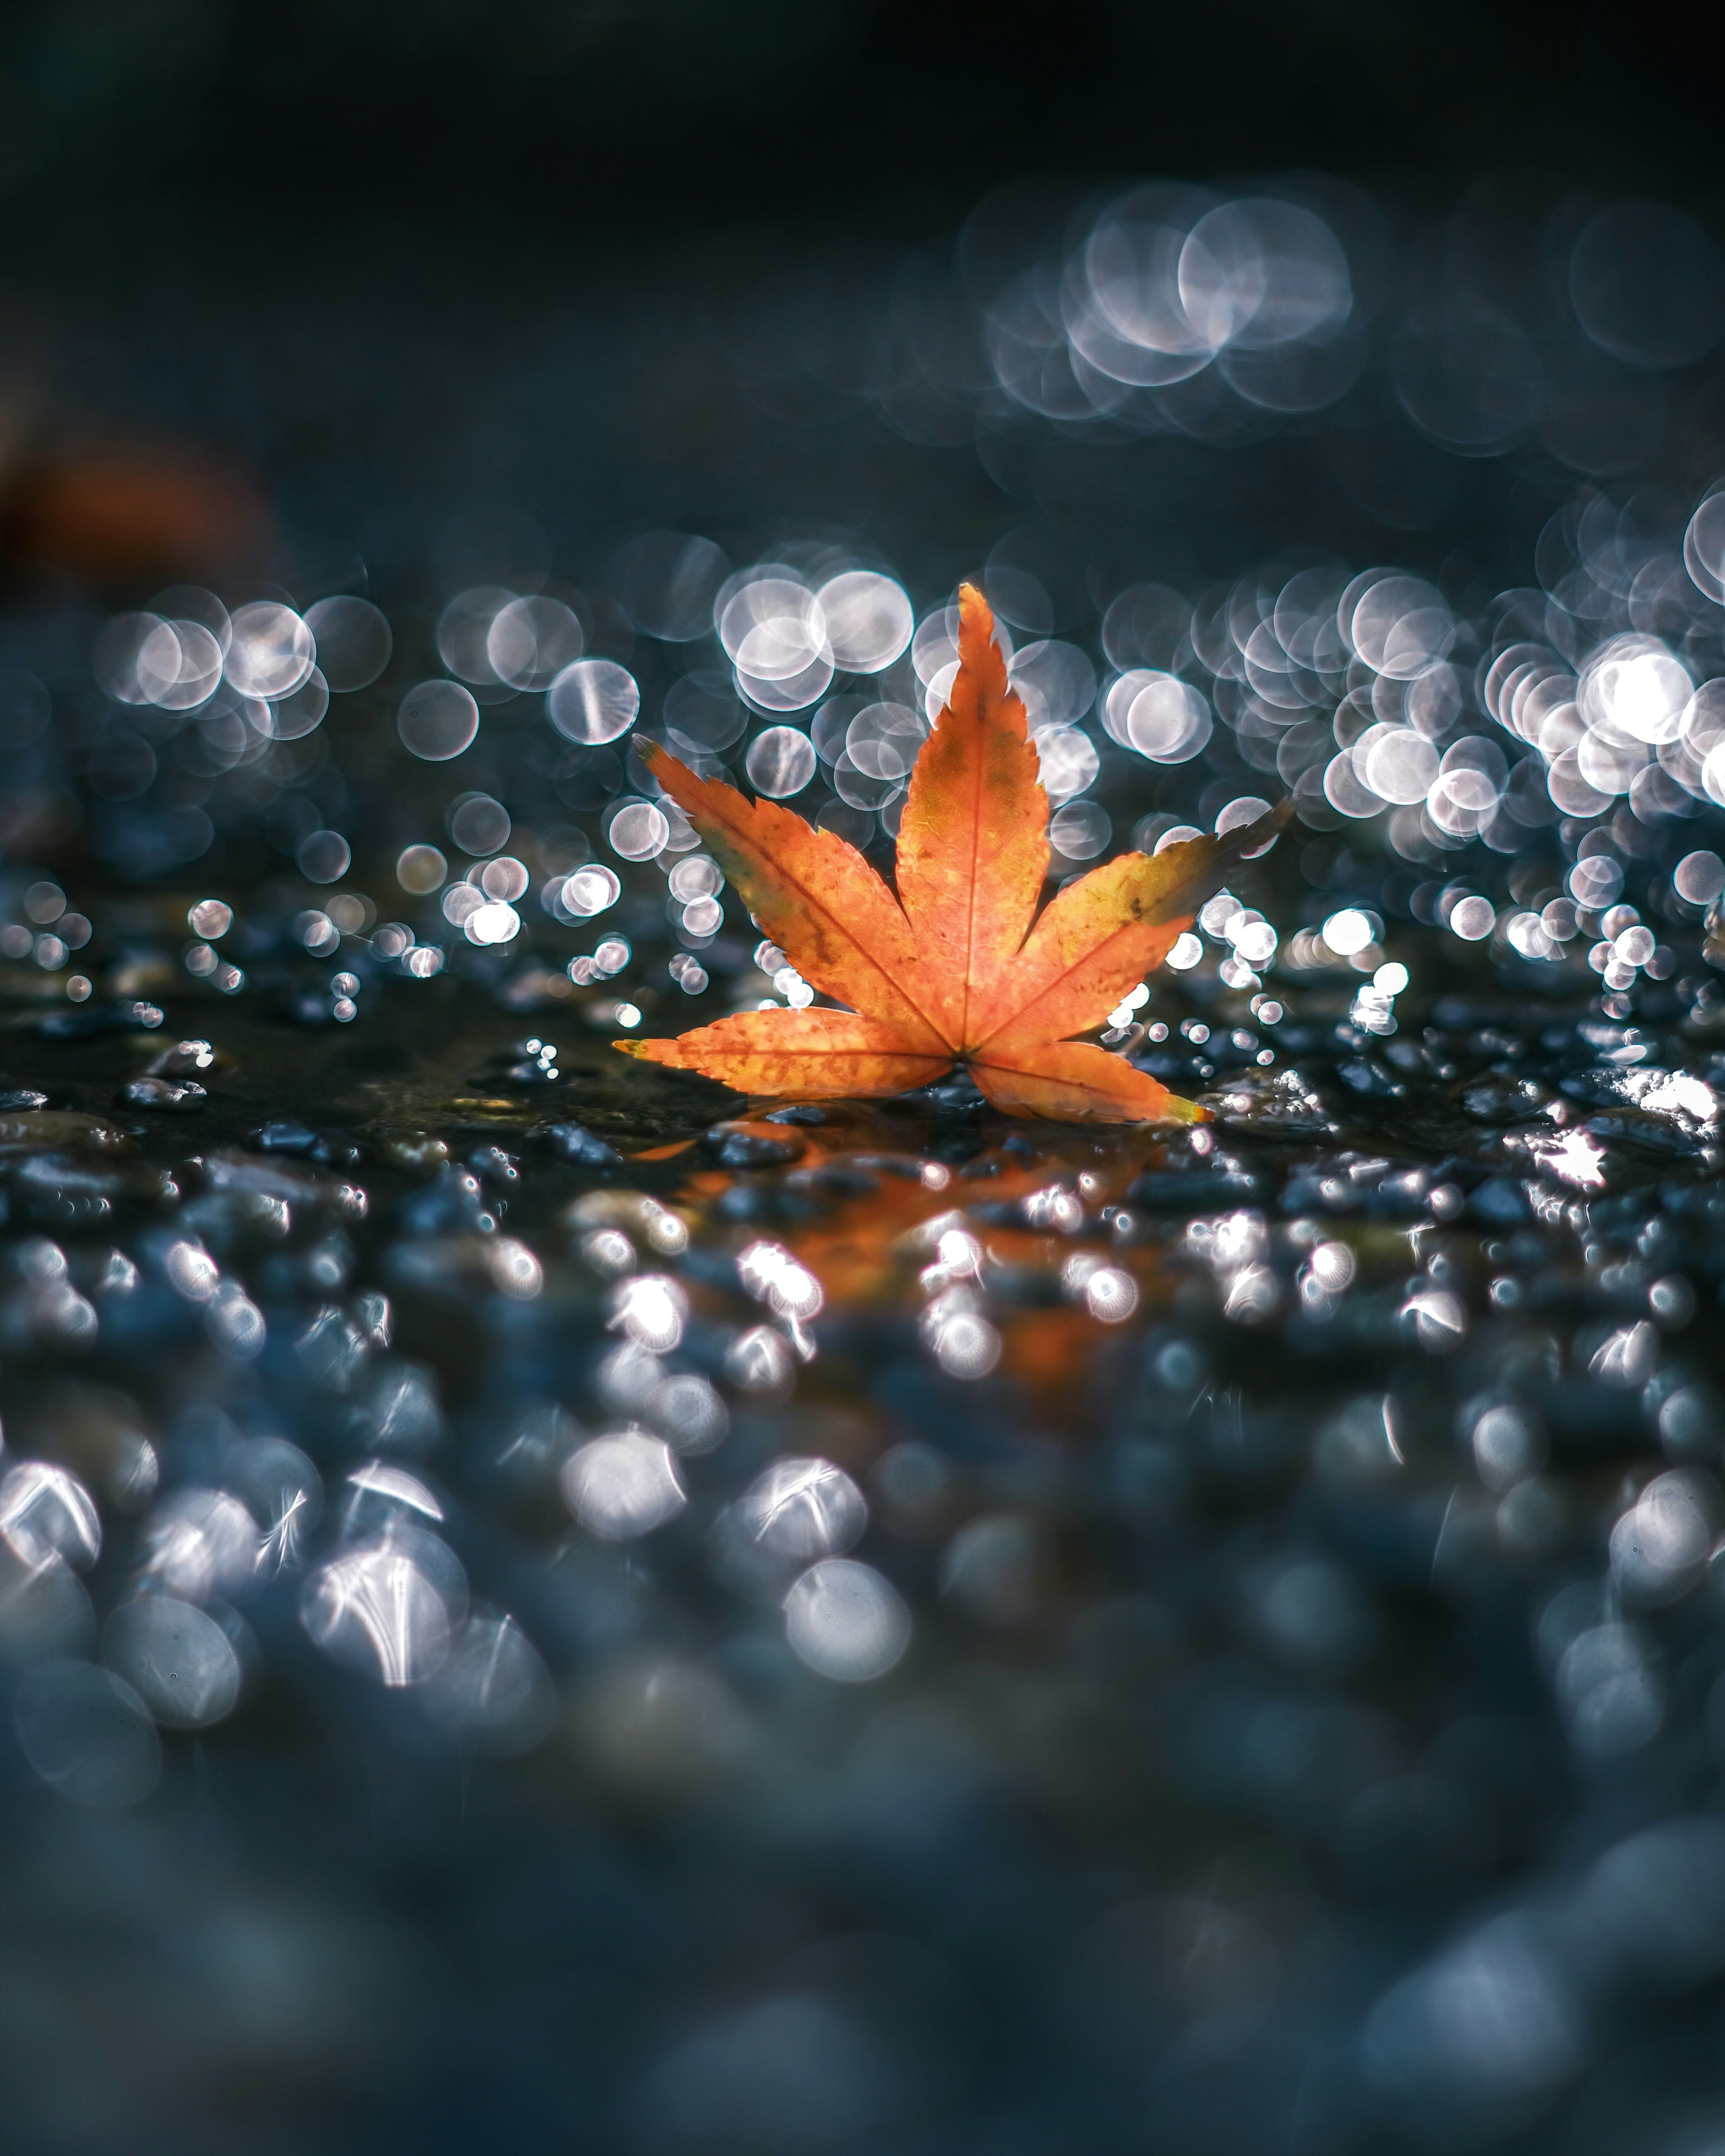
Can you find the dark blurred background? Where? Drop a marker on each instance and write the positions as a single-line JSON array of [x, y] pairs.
[[389, 258], [578, 118]]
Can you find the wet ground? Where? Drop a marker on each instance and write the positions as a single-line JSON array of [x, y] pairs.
[[1221, 1565], [543, 1605]]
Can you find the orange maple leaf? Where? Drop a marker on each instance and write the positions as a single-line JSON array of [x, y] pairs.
[[952, 969]]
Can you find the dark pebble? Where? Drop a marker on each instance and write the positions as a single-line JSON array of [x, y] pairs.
[[575, 1144], [454, 1202], [167, 1096], [1500, 1203], [184, 1059], [1370, 1080], [284, 1135], [496, 1165], [956, 1094], [533, 1074], [1501, 1098], [840, 1181], [728, 1147]]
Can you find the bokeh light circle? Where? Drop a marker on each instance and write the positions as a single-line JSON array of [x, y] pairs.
[[780, 762], [354, 641], [593, 700], [438, 720], [847, 1621]]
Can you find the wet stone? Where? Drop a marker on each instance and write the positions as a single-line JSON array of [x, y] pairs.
[[41, 1129], [1499, 1202], [494, 1165], [1272, 1101], [186, 1058], [456, 1200], [956, 1094], [906, 1167], [418, 1152], [1367, 1077], [1654, 1133], [728, 1148], [743, 1204], [575, 1144], [284, 1135], [1420, 1060], [1356, 1182], [164, 1097], [1504, 1098]]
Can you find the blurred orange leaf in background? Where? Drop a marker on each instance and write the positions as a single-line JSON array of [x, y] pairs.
[[123, 512], [958, 967]]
